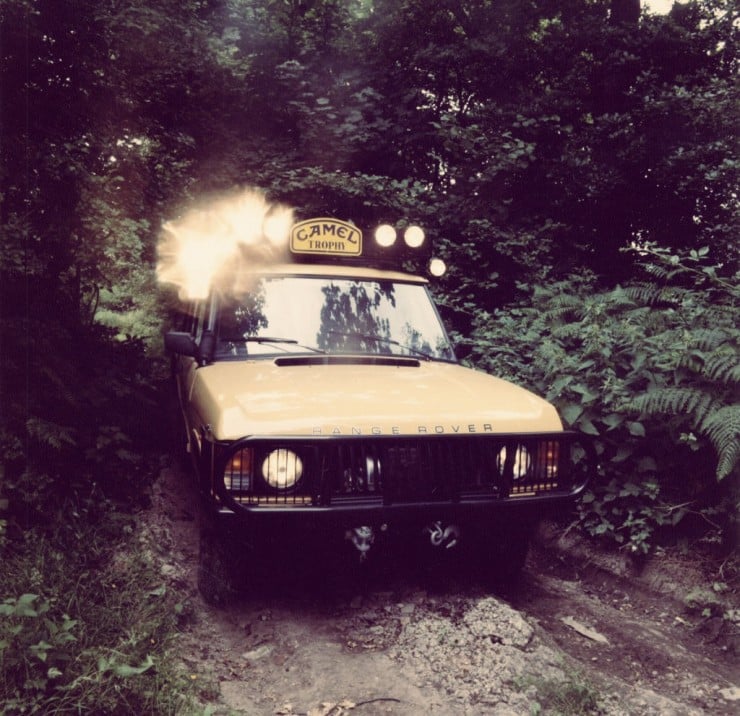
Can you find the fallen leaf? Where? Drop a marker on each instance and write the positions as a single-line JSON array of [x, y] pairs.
[[583, 630]]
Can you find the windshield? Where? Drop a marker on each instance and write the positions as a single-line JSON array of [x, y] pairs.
[[309, 314]]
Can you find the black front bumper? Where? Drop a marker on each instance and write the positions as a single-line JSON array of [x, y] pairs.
[[407, 482]]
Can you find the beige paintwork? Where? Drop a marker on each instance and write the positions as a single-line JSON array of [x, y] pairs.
[[228, 400], [350, 271], [260, 398]]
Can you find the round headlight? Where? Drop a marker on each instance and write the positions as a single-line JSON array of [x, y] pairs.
[[282, 469], [385, 235], [522, 462], [414, 237]]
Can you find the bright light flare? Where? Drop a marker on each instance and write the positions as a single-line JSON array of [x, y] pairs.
[[277, 226], [214, 237]]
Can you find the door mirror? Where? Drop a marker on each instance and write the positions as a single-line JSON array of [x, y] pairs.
[[181, 343]]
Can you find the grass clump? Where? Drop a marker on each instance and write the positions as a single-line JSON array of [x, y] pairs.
[[87, 625], [573, 695]]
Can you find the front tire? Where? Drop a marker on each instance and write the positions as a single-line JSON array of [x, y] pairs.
[[502, 554], [220, 568]]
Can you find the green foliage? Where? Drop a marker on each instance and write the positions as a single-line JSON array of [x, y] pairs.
[[573, 695], [34, 648], [707, 600], [655, 382], [552, 138], [576, 697], [70, 645], [704, 391]]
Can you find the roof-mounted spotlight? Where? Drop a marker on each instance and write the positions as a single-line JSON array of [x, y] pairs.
[[437, 267], [414, 237], [385, 235]]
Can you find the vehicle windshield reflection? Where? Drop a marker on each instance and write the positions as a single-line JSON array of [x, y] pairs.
[[307, 314]]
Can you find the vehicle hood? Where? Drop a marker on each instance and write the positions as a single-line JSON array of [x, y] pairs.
[[262, 397]]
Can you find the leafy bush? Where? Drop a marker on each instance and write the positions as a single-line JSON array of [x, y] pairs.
[[651, 371], [77, 450], [703, 392], [68, 642]]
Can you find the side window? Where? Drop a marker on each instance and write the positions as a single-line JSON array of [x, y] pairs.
[[188, 318], [199, 319], [192, 319]]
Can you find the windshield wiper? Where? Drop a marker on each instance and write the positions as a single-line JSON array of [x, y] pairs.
[[382, 339], [267, 339], [272, 339]]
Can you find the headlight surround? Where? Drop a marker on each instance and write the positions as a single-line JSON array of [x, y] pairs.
[[282, 469], [522, 462]]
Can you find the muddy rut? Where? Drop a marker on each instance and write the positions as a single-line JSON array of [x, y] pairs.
[[414, 637]]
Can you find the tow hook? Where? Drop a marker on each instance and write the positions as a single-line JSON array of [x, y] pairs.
[[440, 536], [362, 538]]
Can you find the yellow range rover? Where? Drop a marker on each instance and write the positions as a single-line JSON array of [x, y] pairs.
[[324, 407]]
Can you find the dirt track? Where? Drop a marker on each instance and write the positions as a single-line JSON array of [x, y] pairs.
[[412, 639]]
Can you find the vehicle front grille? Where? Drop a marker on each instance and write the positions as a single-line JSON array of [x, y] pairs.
[[402, 470]]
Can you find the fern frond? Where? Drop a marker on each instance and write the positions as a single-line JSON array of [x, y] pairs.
[[618, 299], [650, 294], [690, 402], [663, 272], [562, 306], [50, 434], [708, 339], [723, 367], [569, 331], [722, 427]]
